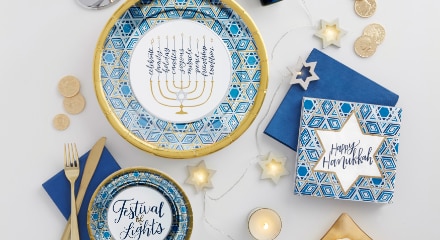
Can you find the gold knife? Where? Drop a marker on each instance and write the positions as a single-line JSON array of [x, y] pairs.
[[89, 169]]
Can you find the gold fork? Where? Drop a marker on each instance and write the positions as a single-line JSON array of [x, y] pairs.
[[71, 169]]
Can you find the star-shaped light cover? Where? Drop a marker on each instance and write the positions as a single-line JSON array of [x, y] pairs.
[[345, 228], [303, 73], [273, 167], [330, 33], [349, 153], [200, 176]]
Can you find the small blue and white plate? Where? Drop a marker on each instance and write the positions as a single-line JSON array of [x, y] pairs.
[[139, 203]]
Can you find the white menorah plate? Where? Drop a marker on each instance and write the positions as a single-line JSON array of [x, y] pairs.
[[139, 203], [180, 78]]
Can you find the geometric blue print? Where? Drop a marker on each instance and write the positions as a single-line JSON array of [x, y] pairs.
[[113, 63], [327, 114]]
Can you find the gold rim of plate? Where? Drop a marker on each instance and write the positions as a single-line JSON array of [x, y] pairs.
[[184, 154]]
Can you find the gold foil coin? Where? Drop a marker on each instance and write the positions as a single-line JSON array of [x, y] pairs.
[[61, 122], [69, 86], [365, 8], [375, 31], [365, 46], [75, 104]]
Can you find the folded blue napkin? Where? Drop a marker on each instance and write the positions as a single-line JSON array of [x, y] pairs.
[[336, 82], [58, 188]]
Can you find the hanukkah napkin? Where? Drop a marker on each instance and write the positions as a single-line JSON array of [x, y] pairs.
[[336, 81], [347, 150], [58, 188]]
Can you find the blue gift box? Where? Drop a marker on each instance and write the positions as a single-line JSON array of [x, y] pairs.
[[336, 81], [347, 150]]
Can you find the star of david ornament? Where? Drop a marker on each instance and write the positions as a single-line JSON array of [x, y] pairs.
[[273, 167], [303, 73], [330, 33], [200, 176]]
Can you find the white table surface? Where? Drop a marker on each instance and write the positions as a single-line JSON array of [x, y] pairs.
[[42, 41]]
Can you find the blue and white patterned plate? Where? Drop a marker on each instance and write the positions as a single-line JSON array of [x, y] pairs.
[[180, 78], [139, 203]]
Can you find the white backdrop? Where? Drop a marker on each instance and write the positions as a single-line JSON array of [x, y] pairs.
[[42, 41]]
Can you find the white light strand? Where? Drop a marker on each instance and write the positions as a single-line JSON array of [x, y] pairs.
[[309, 16], [254, 160]]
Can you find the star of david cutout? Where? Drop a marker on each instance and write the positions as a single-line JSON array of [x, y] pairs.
[[303, 73], [345, 228], [273, 167], [200, 176], [330, 33], [349, 153]]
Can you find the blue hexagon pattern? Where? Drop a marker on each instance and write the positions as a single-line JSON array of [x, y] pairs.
[[375, 120]]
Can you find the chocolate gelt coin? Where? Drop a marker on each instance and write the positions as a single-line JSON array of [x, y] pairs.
[[365, 8], [365, 46], [69, 86], [75, 104], [375, 31], [61, 121]]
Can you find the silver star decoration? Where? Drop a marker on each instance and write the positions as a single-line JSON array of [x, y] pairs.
[[303, 69]]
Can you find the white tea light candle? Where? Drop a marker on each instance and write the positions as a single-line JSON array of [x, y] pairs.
[[264, 224]]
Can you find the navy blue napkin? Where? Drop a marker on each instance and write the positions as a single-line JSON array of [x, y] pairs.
[[58, 188], [336, 82]]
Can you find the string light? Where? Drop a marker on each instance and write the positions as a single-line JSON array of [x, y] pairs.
[[200, 176]]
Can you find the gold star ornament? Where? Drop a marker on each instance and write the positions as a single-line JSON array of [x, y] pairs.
[[200, 176], [345, 228], [273, 167], [330, 33]]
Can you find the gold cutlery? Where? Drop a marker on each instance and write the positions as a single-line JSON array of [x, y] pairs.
[[71, 169], [89, 170]]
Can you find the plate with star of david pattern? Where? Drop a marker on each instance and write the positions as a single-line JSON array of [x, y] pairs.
[[139, 203], [180, 78]]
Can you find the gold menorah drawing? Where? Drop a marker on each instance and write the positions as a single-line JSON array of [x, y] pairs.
[[181, 76]]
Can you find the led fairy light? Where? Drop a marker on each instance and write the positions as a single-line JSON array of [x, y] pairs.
[[330, 33], [273, 167], [200, 176]]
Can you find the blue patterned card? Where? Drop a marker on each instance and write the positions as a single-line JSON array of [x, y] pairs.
[[347, 150]]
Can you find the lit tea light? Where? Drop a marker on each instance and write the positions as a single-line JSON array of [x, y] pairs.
[[273, 167], [264, 224], [200, 176]]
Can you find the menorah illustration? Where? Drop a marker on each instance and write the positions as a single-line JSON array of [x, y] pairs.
[[181, 76]]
